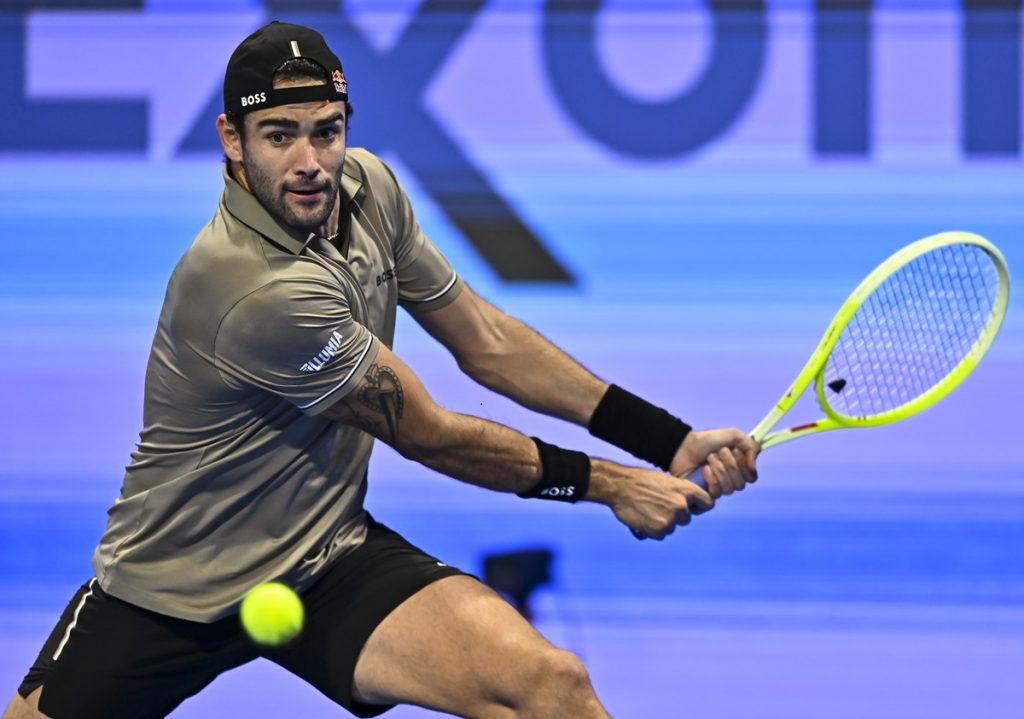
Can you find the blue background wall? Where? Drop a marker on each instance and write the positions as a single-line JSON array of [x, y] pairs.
[[709, 180]]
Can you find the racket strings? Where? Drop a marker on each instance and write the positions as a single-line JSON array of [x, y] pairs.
[[912, 331]]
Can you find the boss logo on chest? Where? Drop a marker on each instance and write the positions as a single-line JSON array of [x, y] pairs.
[[385, 276]]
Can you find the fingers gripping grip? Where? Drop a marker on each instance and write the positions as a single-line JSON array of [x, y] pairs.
[[697, 477]]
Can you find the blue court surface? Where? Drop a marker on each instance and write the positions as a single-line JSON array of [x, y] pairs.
[[873, 573]]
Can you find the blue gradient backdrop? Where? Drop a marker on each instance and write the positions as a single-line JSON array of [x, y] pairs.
[[715, 179]]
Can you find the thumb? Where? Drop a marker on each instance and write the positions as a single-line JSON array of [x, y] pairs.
[[750, 446]]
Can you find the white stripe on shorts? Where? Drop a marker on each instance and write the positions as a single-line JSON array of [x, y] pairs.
[[74, 620]]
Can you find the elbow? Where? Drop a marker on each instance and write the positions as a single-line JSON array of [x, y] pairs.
[[485, 370], [474, 365], [486, 355]]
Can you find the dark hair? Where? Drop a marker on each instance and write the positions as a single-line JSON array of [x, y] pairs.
[[293, 70]]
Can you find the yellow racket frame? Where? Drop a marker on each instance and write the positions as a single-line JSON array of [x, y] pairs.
[[814, 370]]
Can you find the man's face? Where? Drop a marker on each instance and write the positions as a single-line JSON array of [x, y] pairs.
[[293, 157]]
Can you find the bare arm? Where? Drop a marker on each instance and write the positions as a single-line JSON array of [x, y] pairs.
[[392, 404], [505, 355]]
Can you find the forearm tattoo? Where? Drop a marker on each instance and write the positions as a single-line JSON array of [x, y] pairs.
[[382, 393]]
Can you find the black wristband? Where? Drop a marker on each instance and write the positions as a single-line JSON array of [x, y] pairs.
[[565, 474], [637, 426]]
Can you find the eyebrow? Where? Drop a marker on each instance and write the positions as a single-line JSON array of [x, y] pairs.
[[336, 117], [277, 122], [293, 125]]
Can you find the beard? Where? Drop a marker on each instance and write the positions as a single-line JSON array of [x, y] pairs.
[[274, 197]]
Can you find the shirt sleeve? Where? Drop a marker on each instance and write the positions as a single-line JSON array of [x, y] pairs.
[[426, 281], [297, 340]]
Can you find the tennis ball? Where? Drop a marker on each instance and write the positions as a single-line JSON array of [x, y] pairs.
[[272, 614]]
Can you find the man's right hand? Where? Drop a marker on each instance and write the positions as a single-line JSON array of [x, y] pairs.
[[650, 502], [728, 458]]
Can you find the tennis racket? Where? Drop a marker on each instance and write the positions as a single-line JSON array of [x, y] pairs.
[[910, 333]]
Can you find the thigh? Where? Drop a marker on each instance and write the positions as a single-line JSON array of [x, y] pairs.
[[455, 646], [346, 607], [109, 658], [24, 707]]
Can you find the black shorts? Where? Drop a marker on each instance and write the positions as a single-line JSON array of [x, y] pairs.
[[114, 659]]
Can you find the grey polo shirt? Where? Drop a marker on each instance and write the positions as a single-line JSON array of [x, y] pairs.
[[236, 479]]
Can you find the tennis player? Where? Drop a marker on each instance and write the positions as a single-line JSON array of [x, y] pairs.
[[271, 375]]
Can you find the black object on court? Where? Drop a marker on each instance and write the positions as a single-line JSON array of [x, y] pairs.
[[517, 574]]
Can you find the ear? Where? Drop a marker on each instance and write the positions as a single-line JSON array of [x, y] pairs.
[[230, 140]]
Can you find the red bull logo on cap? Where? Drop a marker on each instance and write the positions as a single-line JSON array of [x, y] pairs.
[[340, 83]]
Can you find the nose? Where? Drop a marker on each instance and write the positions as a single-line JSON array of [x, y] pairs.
[[305, 161]]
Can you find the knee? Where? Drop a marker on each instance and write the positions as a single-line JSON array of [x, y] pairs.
[[563, 671], [557, 684]]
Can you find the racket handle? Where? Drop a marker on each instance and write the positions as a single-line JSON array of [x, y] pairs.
[[697, 477]]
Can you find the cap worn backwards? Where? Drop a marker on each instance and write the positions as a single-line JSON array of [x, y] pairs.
[[248, 82]]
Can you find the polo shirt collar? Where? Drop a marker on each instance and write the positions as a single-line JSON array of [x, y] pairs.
[[244, 206]]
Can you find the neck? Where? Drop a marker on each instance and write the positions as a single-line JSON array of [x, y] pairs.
[[237, 173], [330, 228]]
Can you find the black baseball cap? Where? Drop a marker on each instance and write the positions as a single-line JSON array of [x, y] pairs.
[[248, 82]]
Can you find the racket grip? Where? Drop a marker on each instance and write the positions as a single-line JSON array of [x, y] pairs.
[[697, 477]]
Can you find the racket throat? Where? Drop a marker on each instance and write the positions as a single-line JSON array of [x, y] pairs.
[[802, 427]]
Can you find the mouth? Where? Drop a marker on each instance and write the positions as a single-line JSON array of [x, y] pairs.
[[308, 194]]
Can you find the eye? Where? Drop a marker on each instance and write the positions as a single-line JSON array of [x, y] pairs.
[[328, 133], [277, 138]]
